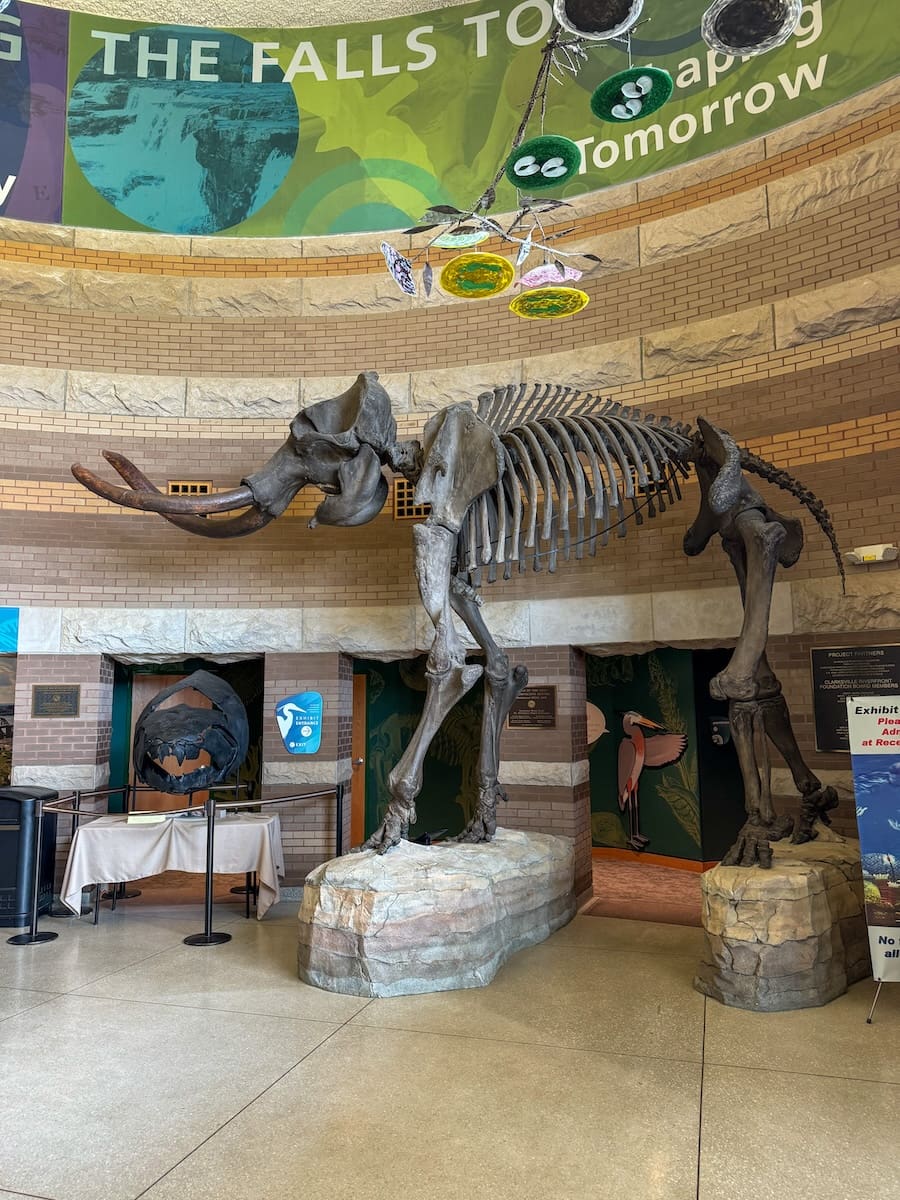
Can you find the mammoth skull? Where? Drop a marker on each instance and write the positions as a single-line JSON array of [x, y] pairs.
[[338, 445], [220, 734]]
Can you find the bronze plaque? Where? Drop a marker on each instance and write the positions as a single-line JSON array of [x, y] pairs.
[[534, 708], [842, 671], [56, 699]]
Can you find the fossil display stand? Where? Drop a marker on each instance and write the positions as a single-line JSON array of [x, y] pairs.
[[793, 936], [432, 918]]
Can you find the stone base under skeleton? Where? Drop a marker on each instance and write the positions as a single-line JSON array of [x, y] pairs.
[[432, 918], [793, 936]]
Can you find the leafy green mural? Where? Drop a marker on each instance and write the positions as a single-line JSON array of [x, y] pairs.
[[659, 686], [394, 699]]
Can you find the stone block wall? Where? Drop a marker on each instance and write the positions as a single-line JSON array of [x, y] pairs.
[[63, 753]]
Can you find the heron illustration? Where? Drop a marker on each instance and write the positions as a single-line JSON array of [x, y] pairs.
[[636, 751]]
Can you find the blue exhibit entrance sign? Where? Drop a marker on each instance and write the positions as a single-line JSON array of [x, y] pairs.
[[300, 722], [9, 630]]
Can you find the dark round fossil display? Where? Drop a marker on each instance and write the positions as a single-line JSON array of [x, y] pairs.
[[746, 22]]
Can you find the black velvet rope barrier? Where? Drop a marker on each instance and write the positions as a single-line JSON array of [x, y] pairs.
[[71, 805]]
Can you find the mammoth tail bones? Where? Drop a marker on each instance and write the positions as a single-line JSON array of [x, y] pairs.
[[531, 474]]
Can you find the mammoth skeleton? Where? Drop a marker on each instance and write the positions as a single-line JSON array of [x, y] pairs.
[[532, 474]]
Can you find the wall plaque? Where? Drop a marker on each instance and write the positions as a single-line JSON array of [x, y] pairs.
[[56, 700], [842, 671], [533, 708]]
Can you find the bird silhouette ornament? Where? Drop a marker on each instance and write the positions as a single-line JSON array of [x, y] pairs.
[[636, 751]]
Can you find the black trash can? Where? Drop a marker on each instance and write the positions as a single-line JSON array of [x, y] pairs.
[[18, 830]]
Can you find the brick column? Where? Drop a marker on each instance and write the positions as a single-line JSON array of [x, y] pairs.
[[308, 831], [65, 753], [545, 771]]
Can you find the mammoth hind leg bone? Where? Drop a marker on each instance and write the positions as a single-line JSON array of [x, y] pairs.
[[748, 731], [755, 558], [502, 685], [447, 676], [818, 800]]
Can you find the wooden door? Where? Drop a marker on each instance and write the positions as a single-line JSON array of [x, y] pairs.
[[143, 689], [358, 753]]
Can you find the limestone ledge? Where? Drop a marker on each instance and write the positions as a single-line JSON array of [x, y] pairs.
[[307, 772], [544, 774], [850, 176], [252, 399], [129, 395], [705, 343], [701, 229], [67, 776], [872, 601], [831, 311], [636, 620], [592, 367], [431, 918]]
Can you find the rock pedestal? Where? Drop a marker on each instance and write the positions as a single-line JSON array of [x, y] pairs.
[[432, 918], [793, 936]]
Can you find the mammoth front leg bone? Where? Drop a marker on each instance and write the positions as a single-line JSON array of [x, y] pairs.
[[448, 678], [749, 723], [501, 686]]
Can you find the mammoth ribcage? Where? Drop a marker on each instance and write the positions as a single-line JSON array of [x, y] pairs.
[[570, 482]]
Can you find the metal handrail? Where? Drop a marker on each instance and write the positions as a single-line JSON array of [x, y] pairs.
[[57, 806]]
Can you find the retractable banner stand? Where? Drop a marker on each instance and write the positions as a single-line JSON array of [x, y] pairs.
[[874, 723]]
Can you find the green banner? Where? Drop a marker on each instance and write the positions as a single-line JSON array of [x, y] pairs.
[[364, 126]]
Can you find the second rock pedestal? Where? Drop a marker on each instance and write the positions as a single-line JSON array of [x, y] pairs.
[[793, 936]]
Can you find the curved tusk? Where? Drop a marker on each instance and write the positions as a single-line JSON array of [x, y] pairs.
[[154, 501], [247, 522]]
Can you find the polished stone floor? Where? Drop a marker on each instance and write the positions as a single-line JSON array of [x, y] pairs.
[[134, 1066]]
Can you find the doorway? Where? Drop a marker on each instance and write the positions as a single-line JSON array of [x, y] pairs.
[[666, 789], [388, 702]]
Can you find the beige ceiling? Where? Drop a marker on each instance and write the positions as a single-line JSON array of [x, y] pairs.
[[236, 14]]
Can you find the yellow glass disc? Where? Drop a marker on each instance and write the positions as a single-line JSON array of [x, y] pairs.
[[474, 276], [547, 303]]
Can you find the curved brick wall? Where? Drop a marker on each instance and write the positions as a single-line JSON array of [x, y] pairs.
[[755, 287]]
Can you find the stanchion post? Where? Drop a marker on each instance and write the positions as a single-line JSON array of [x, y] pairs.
[[33, 937], [339, 817], [207, 937]]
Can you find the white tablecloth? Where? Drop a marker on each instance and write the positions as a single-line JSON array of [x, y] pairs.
[[108, 850]]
